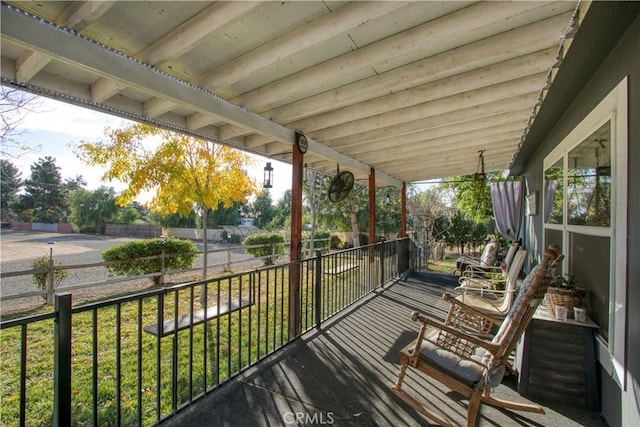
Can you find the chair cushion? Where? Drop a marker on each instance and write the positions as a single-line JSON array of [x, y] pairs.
[[489, 254], [462, 368], [450, 362]]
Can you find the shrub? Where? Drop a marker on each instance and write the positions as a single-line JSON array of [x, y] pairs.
[[364, 239], [179, 254], [336, 242], [320, 240], [266, 246], [40, 279]]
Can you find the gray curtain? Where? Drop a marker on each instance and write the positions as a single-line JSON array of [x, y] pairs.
[[550, 186], [507, 199]]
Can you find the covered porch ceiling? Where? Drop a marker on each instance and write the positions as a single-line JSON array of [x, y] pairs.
[[413, 90]]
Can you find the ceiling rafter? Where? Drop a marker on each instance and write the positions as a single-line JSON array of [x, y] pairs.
[[76, 15]]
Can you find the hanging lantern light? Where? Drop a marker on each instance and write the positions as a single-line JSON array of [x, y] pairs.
[[268, 176], [387, 200]]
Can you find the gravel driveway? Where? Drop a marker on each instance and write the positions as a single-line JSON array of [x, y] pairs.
[[19, 248]]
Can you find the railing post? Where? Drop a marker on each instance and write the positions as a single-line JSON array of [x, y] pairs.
[[318, 288], [403, 258], [162, 268], [50, 278], [62, 361], [382, 245]]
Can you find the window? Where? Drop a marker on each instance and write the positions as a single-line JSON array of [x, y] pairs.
[[584, 205]]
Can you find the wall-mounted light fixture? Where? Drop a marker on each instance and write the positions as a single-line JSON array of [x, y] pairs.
[[268, 176]]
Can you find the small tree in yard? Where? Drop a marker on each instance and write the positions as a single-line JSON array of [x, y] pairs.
[[40, 278], [265, 246], [145, 257]]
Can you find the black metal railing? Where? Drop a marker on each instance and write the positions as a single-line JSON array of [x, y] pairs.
[[139, 359]]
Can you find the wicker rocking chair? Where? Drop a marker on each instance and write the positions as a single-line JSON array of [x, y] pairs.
[[467, 363]]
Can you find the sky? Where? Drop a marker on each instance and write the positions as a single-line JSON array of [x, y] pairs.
[[54, 127]]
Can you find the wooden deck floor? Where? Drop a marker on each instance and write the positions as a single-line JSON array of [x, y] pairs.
[[342, 374]]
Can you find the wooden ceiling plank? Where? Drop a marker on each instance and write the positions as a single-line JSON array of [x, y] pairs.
[[481, 138], [191, 32], [386, 107], [449, 32], [501, 47], [443, 112], [467, 140], [407, 105], [303, 37]]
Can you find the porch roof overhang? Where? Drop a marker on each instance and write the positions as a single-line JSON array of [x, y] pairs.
[[413, 90]]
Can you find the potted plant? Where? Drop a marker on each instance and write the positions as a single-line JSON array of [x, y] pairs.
[[565, 292]]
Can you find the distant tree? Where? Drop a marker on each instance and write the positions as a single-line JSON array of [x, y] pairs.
[[387, 215], [10, 184], [473, 196], [315, 194], [460, 231], [44, 199], [262, 209], [225, 216], [14, 105], [175, 220], [281, 212], [127, 215], [427, 211], [91, 211], [73, 184]]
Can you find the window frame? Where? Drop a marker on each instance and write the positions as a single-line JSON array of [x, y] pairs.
[[613, 108]]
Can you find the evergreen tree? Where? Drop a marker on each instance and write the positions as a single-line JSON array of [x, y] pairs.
[[10, 184], [44, 196]]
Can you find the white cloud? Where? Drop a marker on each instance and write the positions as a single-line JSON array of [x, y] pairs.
[[55, 116]]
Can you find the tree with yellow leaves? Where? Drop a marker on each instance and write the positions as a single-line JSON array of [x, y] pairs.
[[181, 172]]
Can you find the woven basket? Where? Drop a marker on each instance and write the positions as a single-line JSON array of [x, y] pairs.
[[568, 297]]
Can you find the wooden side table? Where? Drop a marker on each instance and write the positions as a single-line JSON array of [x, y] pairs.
[[556, 360]]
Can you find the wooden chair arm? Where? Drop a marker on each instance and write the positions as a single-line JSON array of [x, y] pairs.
[[426, 321], [470, 310]]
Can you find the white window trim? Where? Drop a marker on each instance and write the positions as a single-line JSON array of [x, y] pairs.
[[614, 108]]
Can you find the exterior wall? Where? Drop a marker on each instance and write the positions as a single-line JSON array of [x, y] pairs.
[[132, 230], [38, 226], [213, 235], [620, 407]]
